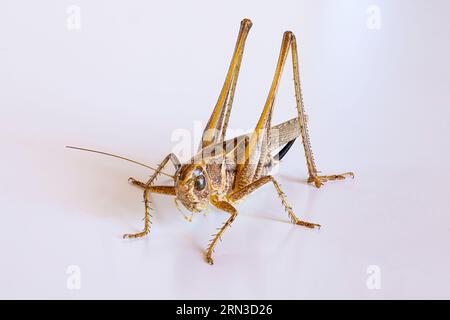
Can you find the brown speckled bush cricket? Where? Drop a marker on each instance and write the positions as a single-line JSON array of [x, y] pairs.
[[224, 172]]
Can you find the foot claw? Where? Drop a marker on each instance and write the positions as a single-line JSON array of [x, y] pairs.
[[307, 224], [319, 180], [136, 182], [209, 260], [135, 235]]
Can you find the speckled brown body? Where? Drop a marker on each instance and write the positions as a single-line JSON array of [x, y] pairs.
[[220, 161]]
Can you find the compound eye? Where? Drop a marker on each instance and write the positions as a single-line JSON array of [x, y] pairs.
[[200, 183]]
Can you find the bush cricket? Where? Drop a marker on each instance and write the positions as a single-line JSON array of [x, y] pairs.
[[224, 172]]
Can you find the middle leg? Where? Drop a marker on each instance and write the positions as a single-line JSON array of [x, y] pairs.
[[242, 193]]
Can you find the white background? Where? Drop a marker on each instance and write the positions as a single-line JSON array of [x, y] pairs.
[[378, 102]]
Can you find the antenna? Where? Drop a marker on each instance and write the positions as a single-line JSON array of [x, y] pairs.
[[120, 157]]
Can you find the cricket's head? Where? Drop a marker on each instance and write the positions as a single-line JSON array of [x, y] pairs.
[[192, 186]]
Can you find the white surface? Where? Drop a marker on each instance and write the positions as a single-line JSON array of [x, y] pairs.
[[378, 102]]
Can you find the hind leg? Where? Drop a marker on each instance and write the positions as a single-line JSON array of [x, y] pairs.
[[216, 127], [264, 123], [313, 173]]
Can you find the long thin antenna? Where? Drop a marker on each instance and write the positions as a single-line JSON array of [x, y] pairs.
[[119, 157]]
